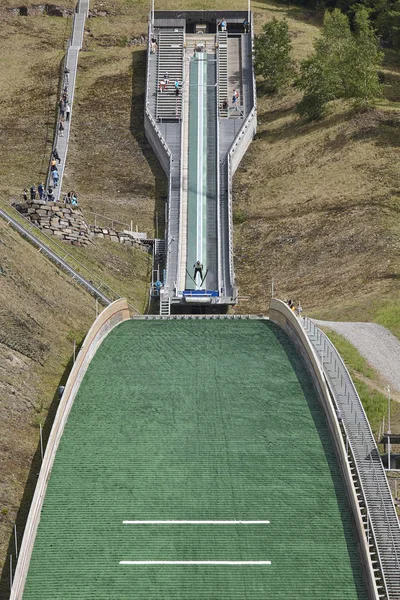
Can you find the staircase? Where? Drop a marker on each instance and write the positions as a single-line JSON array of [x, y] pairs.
[[380, 519], [165, 306], [222, 62], [170, 59]]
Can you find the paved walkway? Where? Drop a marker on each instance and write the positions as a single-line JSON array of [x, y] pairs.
[[71, 62], [375, 343]]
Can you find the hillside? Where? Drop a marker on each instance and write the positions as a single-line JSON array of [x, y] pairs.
[[315, 205]]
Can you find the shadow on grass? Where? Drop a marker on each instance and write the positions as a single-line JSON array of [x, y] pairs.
[[30, 486], [137, 130], [302, 14], [318, 415]]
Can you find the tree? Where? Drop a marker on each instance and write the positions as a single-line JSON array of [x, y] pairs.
[[272, 55], [362, 81], [344, 65], [321, 75]]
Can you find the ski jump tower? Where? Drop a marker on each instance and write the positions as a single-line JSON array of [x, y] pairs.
[[200, 118]]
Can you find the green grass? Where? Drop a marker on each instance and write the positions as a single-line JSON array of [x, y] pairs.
[[388, 315], [196, 420], [367, 382], [353, 359]]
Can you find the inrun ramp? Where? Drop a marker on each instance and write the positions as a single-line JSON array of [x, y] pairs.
[[196, 420], [200, 118]]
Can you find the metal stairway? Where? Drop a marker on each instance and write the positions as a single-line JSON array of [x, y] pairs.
[[170, 60], [381, 520], [222, 63], [165, 306]]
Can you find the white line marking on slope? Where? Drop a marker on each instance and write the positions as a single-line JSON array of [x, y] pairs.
[[196, 562], [196, 522]]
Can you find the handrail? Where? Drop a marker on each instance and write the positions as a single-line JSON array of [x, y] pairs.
[[349, 446], [310, 326], [94, 288], [96, 215], [360, 406]]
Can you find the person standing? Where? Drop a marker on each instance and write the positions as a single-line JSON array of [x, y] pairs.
[[61, 128], [66, 75], [234, 97], [33, 193], [40, 190], [67, 111], [223, 24], [25, 195], [56, 156], [55, 178]]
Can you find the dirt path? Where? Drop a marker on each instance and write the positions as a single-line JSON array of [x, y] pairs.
[[376, 344]]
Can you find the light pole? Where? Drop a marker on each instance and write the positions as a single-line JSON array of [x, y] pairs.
[[388, 428]]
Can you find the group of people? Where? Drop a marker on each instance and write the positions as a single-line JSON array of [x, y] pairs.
[[71, 198], [298, 310], [164, 83], [64, 105], [235, 98], [39, 194]]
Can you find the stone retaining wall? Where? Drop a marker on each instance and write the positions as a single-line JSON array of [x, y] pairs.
[[64, 222], [67, 223], [118, 236]]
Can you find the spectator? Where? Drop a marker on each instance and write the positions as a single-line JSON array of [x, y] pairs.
[[223, 24], [246, 26], [56, 177], [225, 104], [161, 85], [25, 195], [68, 111], [62, 107], [153, 45], [66, 75], [40, 190], [56, 156], [61, 128], [50, 196], [234, 97], [166, 77], [33, 193]]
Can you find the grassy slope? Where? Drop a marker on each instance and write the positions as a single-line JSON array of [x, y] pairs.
[[316, 204], [42, 313], [322, 219]]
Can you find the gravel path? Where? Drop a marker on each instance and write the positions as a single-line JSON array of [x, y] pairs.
[[376, 344]]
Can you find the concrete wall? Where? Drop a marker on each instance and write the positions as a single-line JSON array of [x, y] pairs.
[[115, 313], [283, 316]]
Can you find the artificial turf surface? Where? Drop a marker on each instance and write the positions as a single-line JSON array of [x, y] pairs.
[[196, 420]]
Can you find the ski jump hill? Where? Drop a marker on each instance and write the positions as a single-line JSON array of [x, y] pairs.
[[207, 456]]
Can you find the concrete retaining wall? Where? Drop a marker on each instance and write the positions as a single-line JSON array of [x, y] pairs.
[[283, 316], [115, 313]]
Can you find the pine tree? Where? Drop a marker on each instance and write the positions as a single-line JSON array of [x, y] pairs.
[[272, 55]]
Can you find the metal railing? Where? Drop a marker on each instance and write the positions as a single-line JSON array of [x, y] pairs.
[[346, 397], [99, 217], [62, 257]]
